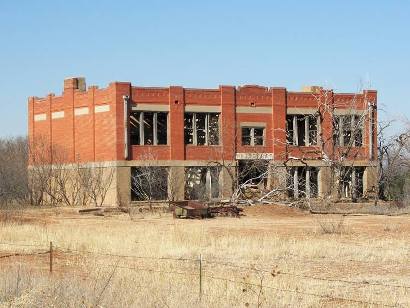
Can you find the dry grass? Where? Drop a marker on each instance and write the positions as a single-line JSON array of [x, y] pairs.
[[278, 252]]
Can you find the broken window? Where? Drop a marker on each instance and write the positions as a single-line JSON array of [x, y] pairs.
[[213, 128], [148, 128], [312, 129], [135, 127], [149, 183], [253, 178], [358, 130], [148, 120], [301, 129], [348, 130], [252, 136], [302, 182], [201, 128], [162, 125], [351, 182], [201, 183], [253, 172]]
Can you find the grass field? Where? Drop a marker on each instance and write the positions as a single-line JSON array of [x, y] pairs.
[[271, 257]]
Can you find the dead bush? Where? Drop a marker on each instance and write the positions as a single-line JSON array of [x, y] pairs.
[[12, 216], [332, 225]]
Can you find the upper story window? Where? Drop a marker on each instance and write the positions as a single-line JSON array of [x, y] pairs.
[[302, 130], [253, 136], [148, 128], [348, 130], [201, 128]]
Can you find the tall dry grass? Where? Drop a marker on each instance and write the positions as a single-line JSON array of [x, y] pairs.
[[247, 262]]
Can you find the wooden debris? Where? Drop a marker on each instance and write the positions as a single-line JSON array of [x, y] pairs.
[[231, 210]]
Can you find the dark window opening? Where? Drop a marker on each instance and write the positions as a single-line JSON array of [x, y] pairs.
[[351, 182], [289, 129], [162, 125], [358, 131], [189, 128], [135, 127], [253, 172], [214, 128], [149, 183], [300, 124], [312, 130], [348, 130], [201, 183], [302, 182], [201, 128], [302, 130], [148, 128], [253, 136]]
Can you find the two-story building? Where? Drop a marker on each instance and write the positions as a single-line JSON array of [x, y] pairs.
[[203, 143]]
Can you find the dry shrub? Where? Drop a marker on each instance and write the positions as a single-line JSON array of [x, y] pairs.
[[12, 216], [332, 225], [392, 227]]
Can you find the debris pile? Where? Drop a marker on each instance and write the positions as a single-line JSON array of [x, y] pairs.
[[231, 210]]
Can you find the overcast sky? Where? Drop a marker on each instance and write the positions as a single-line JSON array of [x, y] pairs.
[[345, 45]]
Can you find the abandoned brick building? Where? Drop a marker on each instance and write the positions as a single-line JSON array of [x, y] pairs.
[[204, 143]]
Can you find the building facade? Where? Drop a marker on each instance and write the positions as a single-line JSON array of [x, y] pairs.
[[204, 143]]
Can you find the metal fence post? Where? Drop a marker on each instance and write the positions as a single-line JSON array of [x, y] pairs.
[[200, 276], [51, 257]]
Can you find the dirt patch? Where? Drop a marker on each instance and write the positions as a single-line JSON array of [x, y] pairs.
[[273, 210]]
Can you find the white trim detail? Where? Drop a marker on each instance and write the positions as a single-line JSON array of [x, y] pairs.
[[253, 124], [242, 109], [102, 108], [266, 156], [350, 111], [40, 117], [202, 108], [150, 107], [296, 110], [57, 115], [81, 111]]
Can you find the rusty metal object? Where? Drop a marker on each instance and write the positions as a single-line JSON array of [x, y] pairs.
[[189, 209], [195, 209]]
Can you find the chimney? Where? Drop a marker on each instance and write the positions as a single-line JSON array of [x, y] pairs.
[[75, 83]]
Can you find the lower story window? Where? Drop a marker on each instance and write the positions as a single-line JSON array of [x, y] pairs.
[[302, 182], [149, 183], [351, 182], [201, 183]]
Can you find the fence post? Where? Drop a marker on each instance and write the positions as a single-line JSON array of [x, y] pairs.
[[51, 257], [200, 276]]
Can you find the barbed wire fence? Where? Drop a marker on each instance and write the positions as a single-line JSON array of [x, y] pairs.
[[202, 271]]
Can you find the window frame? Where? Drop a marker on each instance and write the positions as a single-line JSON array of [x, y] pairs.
[[139, 116], [206, 129], [252, 136], [294, 139], [355, 125]]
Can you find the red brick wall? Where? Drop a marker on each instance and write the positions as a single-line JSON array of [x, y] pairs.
[[99, 136]]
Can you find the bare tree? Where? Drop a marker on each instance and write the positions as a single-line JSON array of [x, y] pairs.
[[52, 180], [149, 181], [95, 182], [393, 162], [13, 170]]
